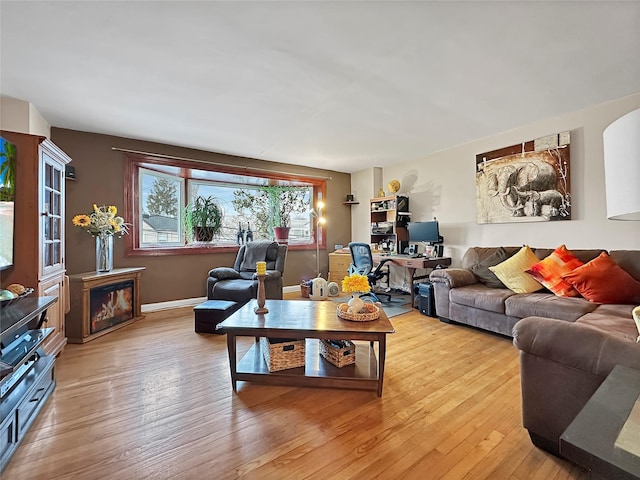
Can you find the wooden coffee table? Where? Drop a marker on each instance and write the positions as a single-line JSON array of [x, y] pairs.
[[309, 320]]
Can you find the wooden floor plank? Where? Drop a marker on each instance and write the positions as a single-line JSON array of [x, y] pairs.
[[153, 400]]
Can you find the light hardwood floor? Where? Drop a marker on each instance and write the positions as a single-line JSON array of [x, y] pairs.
[[153, 400]]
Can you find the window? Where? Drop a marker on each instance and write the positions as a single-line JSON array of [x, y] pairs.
[[161, 198], [160, 190]]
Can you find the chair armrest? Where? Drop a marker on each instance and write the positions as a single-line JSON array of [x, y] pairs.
[[224, 273], [381, 264], [271, 274], [452, 277]]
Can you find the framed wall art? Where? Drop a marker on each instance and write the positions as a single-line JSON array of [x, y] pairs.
[[529, 182]]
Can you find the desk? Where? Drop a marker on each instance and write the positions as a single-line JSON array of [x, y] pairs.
[[412, 264]]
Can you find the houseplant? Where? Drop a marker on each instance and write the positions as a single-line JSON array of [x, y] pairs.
[[203, 219], [271, 207]]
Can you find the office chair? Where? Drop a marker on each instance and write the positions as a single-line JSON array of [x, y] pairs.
[[362, 263]]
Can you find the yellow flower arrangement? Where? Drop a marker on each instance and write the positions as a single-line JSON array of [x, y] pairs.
[[355, 283], [102, 221]]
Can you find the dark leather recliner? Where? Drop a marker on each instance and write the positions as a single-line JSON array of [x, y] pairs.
[[240, 284]]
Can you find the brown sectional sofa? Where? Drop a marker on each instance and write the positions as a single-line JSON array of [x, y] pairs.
[[567, 346]]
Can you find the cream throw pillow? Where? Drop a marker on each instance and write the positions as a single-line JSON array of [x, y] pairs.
[[636, 318], [512, 273]]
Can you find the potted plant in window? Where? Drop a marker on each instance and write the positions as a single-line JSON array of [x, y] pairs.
[[272, 207], [203, 219]]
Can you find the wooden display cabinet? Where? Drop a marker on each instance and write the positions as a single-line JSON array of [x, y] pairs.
[[103, 302], [40, 226]]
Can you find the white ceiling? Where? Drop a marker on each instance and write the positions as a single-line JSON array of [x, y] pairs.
[[339, 85]]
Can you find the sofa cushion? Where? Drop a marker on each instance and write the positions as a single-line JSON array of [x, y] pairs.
[[548, 271], [480, 296], [486, 276], [475, 255], [237, 290], [511, 272], [602, 280], [622, 327], [547, 305]]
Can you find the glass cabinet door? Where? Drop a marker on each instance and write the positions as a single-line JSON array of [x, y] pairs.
[[52, 212]]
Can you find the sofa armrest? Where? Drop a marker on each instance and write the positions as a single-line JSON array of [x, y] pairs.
[[443, 280], [452, 277], [561, 365], [575, 345]]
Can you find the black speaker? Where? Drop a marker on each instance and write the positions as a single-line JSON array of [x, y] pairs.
[[70, 172]]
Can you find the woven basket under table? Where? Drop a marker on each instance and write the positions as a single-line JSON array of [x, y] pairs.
[[340, 356], [282, 353]]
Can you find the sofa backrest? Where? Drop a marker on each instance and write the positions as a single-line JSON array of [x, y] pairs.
[[475, 255], [629, 260], [584, 255]]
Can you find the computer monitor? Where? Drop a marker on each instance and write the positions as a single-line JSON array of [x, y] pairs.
[[424, 232]]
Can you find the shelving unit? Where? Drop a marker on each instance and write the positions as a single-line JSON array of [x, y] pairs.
[[389, 218]]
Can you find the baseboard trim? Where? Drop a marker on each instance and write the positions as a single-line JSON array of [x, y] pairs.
[[291, 289], [187, 302], [192, 302]]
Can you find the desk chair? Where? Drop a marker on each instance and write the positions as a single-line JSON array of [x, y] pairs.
[[362, 263]]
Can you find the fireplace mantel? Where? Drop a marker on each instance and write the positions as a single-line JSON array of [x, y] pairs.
[[82, 286]]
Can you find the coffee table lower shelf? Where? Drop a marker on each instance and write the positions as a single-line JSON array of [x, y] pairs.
[[317, 372]]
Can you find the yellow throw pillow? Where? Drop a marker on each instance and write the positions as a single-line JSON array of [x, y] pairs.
[[512, 273]]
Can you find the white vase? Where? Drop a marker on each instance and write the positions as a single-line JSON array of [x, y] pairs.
[[104, 253], [355, 304]]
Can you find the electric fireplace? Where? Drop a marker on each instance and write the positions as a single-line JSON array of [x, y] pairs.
[[110, 305], [102, 302]]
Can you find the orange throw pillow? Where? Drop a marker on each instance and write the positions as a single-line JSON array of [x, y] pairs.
[[602, 280], [550, 270]]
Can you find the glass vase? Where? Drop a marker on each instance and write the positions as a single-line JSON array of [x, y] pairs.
[[104, 253]]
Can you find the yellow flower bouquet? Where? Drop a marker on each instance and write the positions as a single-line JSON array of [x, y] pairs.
[[355, 283], [356, 309], [102, 221]]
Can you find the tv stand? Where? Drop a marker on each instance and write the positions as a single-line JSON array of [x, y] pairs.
[[26, 374]]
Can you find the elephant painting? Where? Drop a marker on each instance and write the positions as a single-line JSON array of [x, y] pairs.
[[530, 186]]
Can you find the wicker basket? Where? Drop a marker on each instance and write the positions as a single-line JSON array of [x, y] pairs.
[[369, 312], [282, 353], [341, 354]]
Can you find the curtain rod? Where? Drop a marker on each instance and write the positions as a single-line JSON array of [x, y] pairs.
[[257, 169]]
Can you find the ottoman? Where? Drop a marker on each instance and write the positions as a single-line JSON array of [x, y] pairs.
[[210, 313]]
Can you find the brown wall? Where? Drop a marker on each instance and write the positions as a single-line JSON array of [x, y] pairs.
[[100, 180]]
